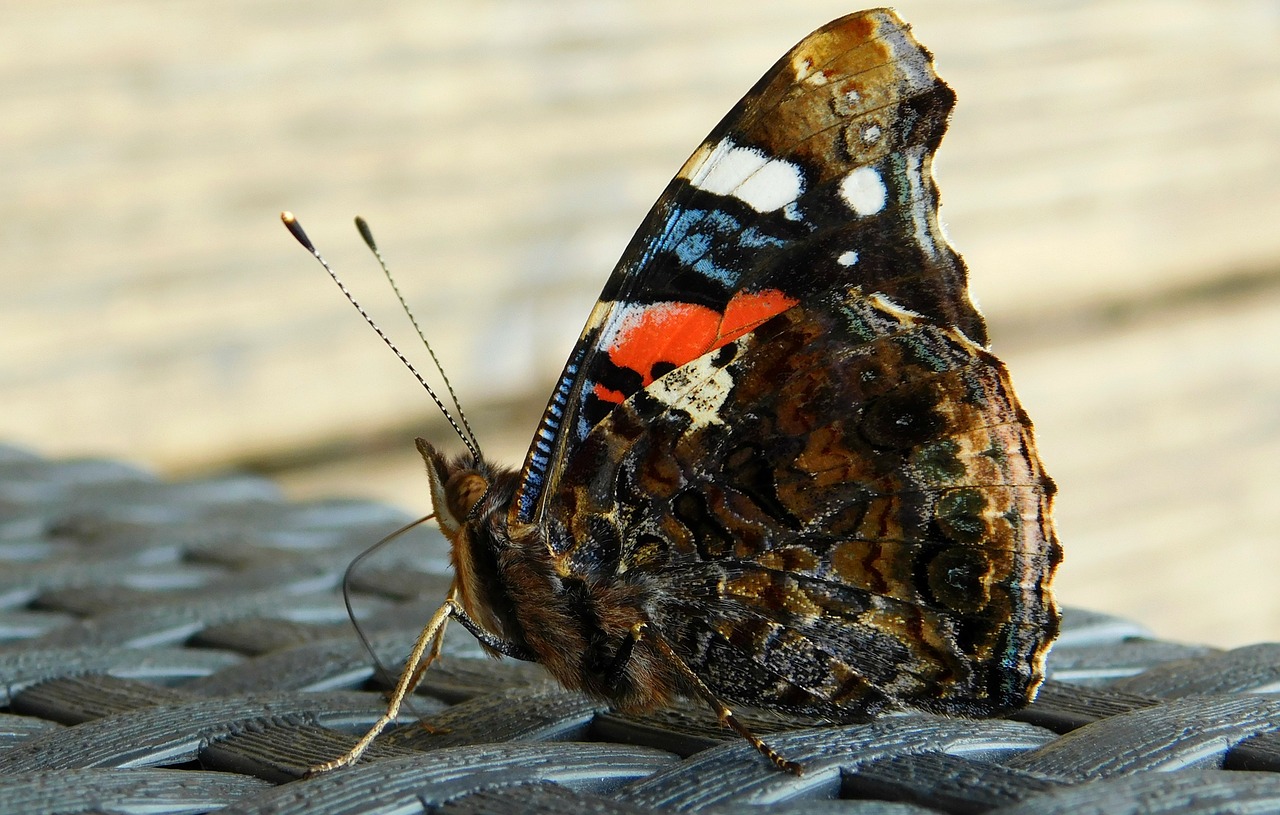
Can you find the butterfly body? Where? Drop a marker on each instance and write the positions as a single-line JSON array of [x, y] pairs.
[[576, 622]]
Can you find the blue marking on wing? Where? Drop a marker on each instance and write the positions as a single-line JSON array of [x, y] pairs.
[[753, 238], [693, 237], [539, 461], [707, 268], [693, 247], [581, 429]]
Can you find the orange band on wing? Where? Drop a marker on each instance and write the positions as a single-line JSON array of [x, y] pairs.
[[747, 310], [678, 333], [608, 394]]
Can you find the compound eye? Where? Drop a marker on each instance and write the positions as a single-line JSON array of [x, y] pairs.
[[463, 491]]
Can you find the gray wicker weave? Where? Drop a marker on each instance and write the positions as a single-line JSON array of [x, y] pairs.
[[181, 647]]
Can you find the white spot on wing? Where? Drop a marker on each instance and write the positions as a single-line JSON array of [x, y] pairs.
[[922, 202], [864, 191], [763, 183], [901, 313], [803, 68], [848, 258]]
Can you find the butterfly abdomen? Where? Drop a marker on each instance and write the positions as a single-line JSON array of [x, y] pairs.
[[584, 632]]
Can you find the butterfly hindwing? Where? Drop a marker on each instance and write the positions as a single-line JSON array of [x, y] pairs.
[[818, 179], [840, 512]]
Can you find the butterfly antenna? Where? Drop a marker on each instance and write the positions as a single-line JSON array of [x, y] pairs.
[[295, 229], [348, 578], [363, 227]]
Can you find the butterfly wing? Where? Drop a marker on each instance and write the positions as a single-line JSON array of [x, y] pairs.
[[840, 512], [819, 178]]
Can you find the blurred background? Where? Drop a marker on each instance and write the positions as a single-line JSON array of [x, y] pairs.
[[1111, 176]]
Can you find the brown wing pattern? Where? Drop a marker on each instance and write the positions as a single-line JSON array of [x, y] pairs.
[[839, 513]]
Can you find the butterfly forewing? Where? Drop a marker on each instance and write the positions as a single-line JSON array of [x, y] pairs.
[[819, 178]]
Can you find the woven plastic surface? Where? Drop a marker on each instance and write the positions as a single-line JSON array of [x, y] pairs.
[[182, 647]]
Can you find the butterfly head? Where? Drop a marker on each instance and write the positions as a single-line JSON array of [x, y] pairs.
[[462, 488], [457, 487], [471, 497]]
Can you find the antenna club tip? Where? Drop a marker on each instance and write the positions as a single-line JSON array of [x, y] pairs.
[[295, 229], [366, 234]]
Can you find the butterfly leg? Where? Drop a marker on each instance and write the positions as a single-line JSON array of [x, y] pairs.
[[415, 666], [505, 647], [437, 644], [641, 631]]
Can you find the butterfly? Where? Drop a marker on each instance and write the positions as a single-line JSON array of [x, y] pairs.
[[780, 467]]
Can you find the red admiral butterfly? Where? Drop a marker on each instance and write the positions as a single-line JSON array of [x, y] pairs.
[[779, 468]]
